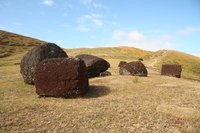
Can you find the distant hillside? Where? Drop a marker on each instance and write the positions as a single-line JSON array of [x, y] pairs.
[[153, 60], [12, 39], [10, 42], [14, 46], [123, 53], [190, 64]]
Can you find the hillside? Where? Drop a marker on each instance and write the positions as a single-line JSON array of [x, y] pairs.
[[11, 43], [14, 46], [113, 104], [153, 60]]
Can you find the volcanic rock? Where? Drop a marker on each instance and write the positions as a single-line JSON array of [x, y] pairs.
[[61, 77], [122, 63], [135, 68], [34, 56], [94, 64], [173, 70]]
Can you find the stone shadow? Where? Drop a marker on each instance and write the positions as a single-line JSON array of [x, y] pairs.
[[97, 91]]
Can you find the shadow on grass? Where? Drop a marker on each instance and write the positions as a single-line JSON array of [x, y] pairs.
[[97, 91]]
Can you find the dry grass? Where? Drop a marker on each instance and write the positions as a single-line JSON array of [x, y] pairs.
[[190, 64], [113, 104], [117, 104]]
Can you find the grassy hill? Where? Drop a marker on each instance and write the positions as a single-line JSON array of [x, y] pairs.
[[153, 60], [122, 53], [14, 46], [113, 104], [11, 43], [190, 64]]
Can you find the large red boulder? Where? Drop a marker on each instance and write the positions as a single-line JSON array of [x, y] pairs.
[[94, 64], [135, 68], [61, 77], [34, 56], [173, 70]]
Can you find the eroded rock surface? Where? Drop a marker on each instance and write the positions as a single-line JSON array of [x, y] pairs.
[[61, 77]]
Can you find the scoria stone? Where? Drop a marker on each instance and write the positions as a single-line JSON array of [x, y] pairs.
[[61, 77], [135, 68], [95, 65], [36, 55], [173, 70]]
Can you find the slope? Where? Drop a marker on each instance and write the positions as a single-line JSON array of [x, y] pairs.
[[113, 104], [11, 43], [190, 64]]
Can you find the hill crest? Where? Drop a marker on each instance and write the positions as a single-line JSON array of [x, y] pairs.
[[17, 45]]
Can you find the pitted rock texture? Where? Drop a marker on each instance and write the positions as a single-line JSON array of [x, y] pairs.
[[61, 77], [94, 64], [34, 56], [135, 68], [122, 63], [173, 70]]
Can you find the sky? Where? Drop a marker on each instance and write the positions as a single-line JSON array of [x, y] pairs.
[[146, 24]]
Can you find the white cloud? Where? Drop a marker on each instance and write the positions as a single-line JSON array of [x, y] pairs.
[[188, 31], [135, 36], [48, 2], [118, 35], [92, 4], [138, 40], [154, 44], [86, 22]]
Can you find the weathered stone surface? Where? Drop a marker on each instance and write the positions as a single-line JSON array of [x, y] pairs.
[[34, 56], [122, 63], [61, 77], [135, 68], [94, 64], [104, 74], [173, 70]]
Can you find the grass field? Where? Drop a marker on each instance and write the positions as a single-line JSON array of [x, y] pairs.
[[118, 104], [114, 104]]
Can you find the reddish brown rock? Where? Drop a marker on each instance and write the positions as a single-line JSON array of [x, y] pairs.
[[94, 64], [135, 68], [173, 70], [122, 63], [34, 56], [61, 77]]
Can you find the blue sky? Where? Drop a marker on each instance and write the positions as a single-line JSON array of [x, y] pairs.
[[146, 24]]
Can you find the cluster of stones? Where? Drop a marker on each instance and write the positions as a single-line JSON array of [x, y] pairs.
[[54, 74]]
